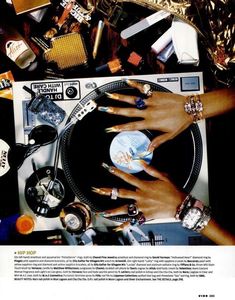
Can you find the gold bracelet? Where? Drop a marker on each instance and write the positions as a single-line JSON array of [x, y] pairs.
[[194, 107]]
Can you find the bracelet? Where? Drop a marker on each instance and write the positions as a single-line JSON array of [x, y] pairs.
[[182, 206], [194, 107], [193, 214]]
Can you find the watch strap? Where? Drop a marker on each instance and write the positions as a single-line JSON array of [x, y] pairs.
[[204, 220]]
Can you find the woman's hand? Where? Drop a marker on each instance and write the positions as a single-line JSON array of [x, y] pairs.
[[158, 198], [163, 112]]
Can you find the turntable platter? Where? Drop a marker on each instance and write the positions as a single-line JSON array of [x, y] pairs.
[[86, 145]]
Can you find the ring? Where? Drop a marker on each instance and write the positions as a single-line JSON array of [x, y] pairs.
[[140, 104], [147, 90], [114, 194], [139, 219], [132, 210]]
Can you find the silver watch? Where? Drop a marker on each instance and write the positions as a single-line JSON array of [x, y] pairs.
[[192, 217], [194, 214]]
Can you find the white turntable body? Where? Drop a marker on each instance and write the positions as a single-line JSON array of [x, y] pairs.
[[68, 93]]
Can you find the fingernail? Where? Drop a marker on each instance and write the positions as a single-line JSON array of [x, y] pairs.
[[142, 162], [100, 214], [118, 229], [125, 80], [104, 109], [122, 226], [105, 214], [129, 82], [107, 167], [110, 95], [111, 129], [151, 149], [145, 153], [96, 190]]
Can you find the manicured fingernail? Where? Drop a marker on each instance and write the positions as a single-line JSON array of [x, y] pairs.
[[96, 190], [110, 95], [144, 154], [106, 213], [130, 82], [151, 149], [116, 229], [112, 129], [122, 226], [104, 109], [142, 162], [107, 167], [125, 80], [100, 214]]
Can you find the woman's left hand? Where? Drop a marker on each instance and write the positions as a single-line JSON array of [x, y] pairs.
[[163, 112]]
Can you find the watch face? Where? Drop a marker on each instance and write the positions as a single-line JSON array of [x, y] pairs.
[[192, 217]]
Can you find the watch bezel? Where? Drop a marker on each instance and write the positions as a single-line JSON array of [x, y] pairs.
[[195, 220]]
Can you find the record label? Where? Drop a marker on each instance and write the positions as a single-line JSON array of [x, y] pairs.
[[127, 149]]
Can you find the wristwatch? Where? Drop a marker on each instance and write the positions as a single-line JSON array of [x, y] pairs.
[[193, 214], [192, 217]]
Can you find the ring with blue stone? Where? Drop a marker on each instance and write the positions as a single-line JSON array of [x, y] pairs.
[[140, 103]]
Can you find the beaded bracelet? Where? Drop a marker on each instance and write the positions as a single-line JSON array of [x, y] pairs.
[[194, 107]]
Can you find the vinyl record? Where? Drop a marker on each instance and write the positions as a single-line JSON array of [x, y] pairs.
[[86, 145], [9, 202]]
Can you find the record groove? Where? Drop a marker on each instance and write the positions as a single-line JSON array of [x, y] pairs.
[[86, 145]]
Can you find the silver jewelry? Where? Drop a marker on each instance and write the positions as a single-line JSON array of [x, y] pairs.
[[206, 216], [147, 90], [132, 210], [194, 107], [114, 194], [193, 214], [139, 219], [185, 203]]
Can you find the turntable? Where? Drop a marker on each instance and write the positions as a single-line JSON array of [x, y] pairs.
[[83, 145]]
